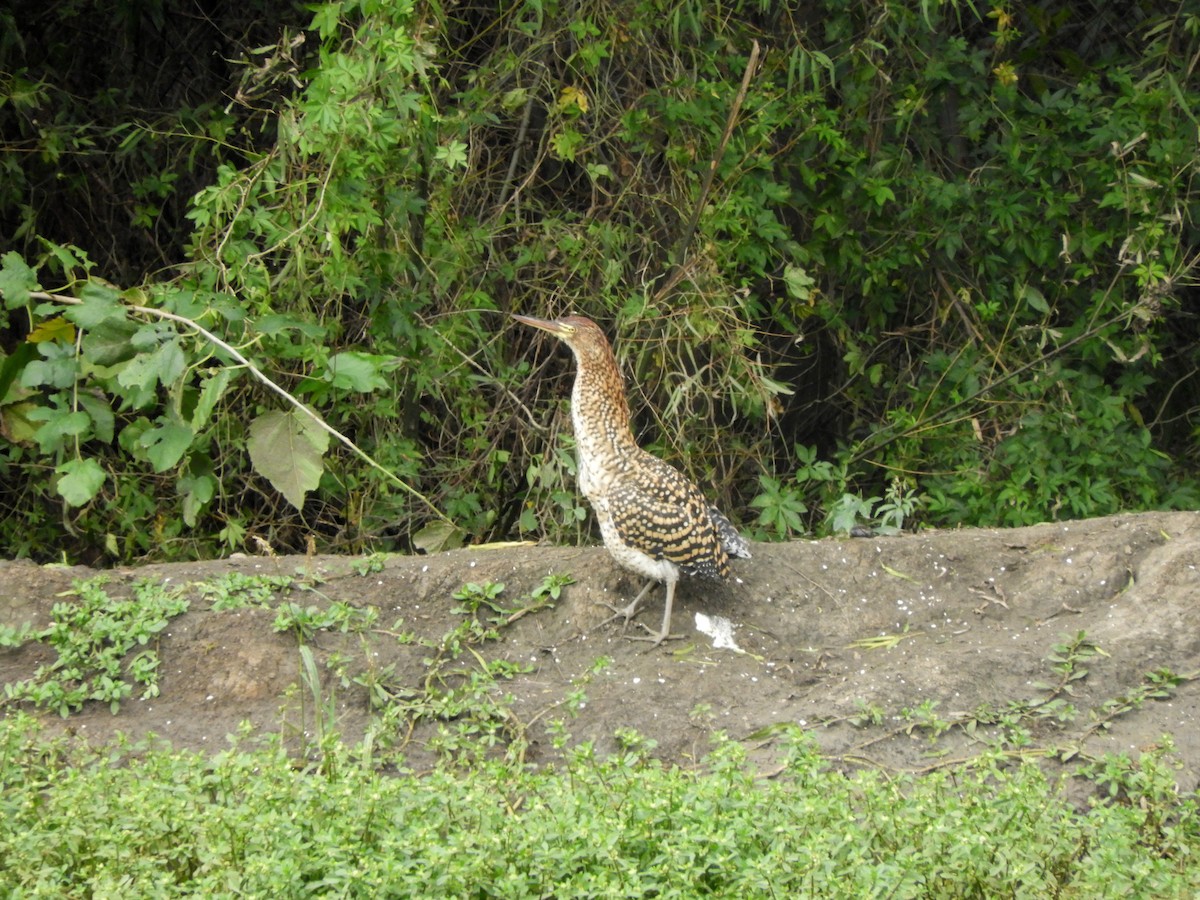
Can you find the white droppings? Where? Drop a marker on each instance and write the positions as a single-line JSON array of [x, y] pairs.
[[719, 629]]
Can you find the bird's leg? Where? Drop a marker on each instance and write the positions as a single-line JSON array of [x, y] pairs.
[[657, 638], [627, 612]]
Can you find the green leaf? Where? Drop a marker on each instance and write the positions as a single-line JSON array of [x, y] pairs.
[[98, 304], [798, 282], [166, 444], [453, 154], [22, 355], [16, 280], [214, 388], [56, 369], [57, 425], [163, 365], [353, 371], [79, 481], [109, 342], [286, 449], [1034, 298], [16, 423], [280, 323], [438, 536], [197, 491], [325, 19], [103, 423]]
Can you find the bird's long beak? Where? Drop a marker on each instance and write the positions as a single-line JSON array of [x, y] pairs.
[[549, 325]]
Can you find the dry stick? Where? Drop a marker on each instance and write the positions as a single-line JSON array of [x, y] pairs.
[[686, 238], [254, 370], [516, 154]]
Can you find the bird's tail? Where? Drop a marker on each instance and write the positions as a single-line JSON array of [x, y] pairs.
[[731, 540]]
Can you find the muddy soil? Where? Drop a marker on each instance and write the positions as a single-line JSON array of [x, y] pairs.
[[900, 652]]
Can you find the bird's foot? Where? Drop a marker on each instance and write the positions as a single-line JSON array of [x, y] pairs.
[[655, 638], [625, 613]]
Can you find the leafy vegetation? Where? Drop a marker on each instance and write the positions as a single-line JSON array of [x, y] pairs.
[[93, 637], [247, 821], [269, 816], [97, 639], [946, 248]]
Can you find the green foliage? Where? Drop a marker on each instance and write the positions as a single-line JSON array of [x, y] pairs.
[[235, 590], [943, 246], [461, 690], [306, 621], [249, 821], [93, 637]]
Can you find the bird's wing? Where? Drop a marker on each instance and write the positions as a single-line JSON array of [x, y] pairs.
[[666, 517]]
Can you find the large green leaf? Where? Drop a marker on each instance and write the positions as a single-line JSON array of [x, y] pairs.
[[355, 371], [98, 304], [79, 480], [11, 366], [16, 280], [166, 443], [164, 365], [286, 449], [103, 421], [109, 342], [59, 423]]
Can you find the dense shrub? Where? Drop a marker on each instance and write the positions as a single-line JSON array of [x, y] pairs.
[[945, 250], [250, 822]]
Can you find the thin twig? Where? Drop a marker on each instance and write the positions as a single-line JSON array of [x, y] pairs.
[[516, 154], [271, 385], [730, 122]]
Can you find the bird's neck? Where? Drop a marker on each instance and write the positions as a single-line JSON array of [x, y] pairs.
[[599, 410]]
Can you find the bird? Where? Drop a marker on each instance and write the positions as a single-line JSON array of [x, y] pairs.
[[654, 521]]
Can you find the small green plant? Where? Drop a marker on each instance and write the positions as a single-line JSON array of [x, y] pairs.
[[551, 586], [235, 590], [318, 711], [1066, 662], [369, 565], [93, 637], [1039, 726], [925, 717], [779, 507], [305, 622], [880, 516], [460, 694], [472, 596], [898, 506], [635, 745], [11, 636], [868, 714]]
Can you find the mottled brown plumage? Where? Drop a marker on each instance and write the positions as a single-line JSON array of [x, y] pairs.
[[654, 521]]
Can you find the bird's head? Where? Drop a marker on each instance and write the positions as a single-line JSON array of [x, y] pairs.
[[582, 335]]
